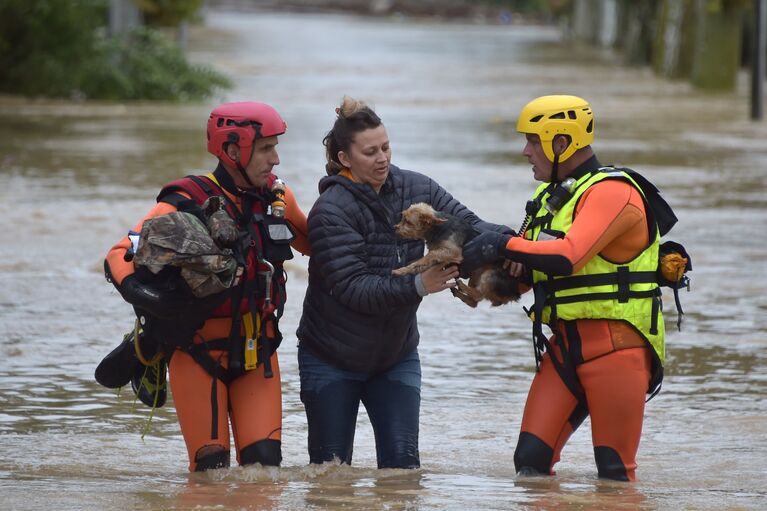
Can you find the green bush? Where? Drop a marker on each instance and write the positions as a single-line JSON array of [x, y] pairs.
[[57, 48], [145, 65], [41, 43]]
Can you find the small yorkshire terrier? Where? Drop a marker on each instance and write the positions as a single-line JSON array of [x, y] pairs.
[[445, 235]]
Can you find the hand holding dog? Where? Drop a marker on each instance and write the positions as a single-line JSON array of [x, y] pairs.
[[487, 247], [437, 279]]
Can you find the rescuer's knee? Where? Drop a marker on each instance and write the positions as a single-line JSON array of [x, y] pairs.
[[265, 452], [532, 456], [210, 457], [609, 464]]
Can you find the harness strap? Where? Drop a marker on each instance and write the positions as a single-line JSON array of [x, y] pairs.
[[655, 312], [602, 279], [679, 311], [214, 400], [200, 354], [542, 220], [566, 368], [266, 351], [202, 183], [623, 284], [602, 296]]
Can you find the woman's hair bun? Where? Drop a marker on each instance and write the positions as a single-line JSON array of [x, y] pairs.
[[350, 106]]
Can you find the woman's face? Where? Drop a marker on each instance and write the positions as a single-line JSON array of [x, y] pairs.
[[369, 156]]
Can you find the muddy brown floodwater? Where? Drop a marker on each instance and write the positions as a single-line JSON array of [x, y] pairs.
[[77, 176]]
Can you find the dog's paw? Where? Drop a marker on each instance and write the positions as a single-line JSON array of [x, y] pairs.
[[464, 298]]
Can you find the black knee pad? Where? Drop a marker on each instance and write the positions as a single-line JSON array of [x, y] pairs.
[[609, 464], [215, 459], [265, 452], [532, 456]]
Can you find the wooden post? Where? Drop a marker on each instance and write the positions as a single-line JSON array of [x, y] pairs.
[[759, 57]]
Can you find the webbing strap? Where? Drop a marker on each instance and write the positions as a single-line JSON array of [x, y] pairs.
[[203, 184], [200, 354], [623, 284], [655, 313], [266, 351], [602, 279], [587, 297], [566, 368], [542, 220]]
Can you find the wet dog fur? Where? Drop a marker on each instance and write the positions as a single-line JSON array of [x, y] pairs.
[[444, 236]]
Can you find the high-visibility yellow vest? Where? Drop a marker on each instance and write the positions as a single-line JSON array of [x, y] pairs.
[[601, 289]]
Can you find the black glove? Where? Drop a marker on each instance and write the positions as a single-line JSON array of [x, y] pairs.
[[499, 228], [160, 303], [485, 248], [505, 229]]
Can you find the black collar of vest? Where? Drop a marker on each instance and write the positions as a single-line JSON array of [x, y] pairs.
[[590, 165], [226, 182]]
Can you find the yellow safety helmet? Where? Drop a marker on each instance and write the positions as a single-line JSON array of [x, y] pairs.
[[548, 116]]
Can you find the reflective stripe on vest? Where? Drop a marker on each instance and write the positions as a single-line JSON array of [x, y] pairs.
[[602, 289]]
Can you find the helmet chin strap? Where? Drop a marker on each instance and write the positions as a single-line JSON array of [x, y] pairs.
[[244, 174], [554, 169]]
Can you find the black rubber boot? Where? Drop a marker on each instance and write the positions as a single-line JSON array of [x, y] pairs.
[[609, 464], [532, 456], [266, 452]]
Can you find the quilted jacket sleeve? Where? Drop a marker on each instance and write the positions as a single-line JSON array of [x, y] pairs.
[[442, 201]]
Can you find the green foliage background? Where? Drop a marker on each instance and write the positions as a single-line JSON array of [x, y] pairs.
[[58, 48]]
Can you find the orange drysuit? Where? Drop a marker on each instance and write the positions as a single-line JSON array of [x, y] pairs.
[[612, 360], [204, 408]]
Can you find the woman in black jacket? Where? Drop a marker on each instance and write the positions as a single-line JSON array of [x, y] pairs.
[[358, 333]]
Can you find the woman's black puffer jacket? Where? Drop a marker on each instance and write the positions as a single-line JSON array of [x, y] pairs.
[[357, 316]]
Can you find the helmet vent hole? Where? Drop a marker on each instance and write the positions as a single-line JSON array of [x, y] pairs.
[[571, 114], [536, 118], [220, 122], [590, 127], [560, 115]]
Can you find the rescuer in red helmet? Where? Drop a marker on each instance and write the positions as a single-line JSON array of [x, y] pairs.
[[220, 350]]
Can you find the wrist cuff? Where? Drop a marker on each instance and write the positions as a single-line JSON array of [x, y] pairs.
[[419, 286]]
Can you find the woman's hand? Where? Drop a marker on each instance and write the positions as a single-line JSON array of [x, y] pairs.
[[437, 279]]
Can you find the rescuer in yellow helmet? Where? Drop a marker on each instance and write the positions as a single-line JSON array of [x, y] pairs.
[[589, 247]]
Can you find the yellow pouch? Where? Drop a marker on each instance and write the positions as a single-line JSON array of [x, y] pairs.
[[252, 330]]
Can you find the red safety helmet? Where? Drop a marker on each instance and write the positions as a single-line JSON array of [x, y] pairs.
[[241, 123]]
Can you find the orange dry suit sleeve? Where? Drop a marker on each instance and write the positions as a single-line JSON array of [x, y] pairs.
[[297, 220], [121, 268], [609, 220]]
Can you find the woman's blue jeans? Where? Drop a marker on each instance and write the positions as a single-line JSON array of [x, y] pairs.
[[332, 396]]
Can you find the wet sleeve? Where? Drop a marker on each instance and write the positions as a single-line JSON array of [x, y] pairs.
[[606, 211], [115, 258], [340, 254], [297, 220]]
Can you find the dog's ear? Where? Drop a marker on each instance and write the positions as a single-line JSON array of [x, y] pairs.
[[436, 220]]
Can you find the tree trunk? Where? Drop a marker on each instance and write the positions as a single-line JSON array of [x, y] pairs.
[[715, 60]]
